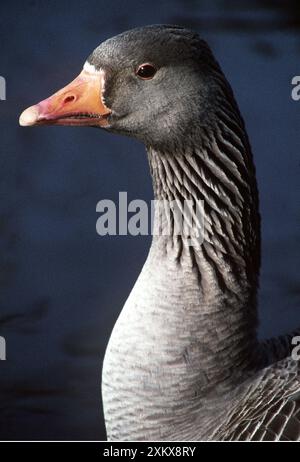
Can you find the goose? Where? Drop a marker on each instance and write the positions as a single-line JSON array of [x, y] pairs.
[[184, 362]]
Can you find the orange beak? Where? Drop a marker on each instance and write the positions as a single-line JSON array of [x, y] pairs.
[[79, 103]]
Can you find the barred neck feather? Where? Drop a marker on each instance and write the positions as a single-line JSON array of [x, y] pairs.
[[215, 166]]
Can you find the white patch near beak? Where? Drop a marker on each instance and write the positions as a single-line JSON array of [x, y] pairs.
[[90, 69]]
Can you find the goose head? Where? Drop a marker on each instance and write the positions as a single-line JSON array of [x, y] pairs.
[[162, 85], [153, 83]]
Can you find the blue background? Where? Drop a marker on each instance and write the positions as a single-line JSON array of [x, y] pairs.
[[61, 285]]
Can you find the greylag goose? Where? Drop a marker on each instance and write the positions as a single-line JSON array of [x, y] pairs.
[[184, 361]]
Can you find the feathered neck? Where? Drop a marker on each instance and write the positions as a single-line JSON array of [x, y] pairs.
[[215, 166]]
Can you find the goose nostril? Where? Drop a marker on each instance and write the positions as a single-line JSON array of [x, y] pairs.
[[69, 99]]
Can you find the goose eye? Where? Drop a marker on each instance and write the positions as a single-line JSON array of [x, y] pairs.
[[146, 71]]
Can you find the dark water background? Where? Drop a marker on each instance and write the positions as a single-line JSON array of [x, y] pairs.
[[62, 286]]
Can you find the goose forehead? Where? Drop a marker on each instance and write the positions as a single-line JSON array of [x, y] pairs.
[[138, 45]]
